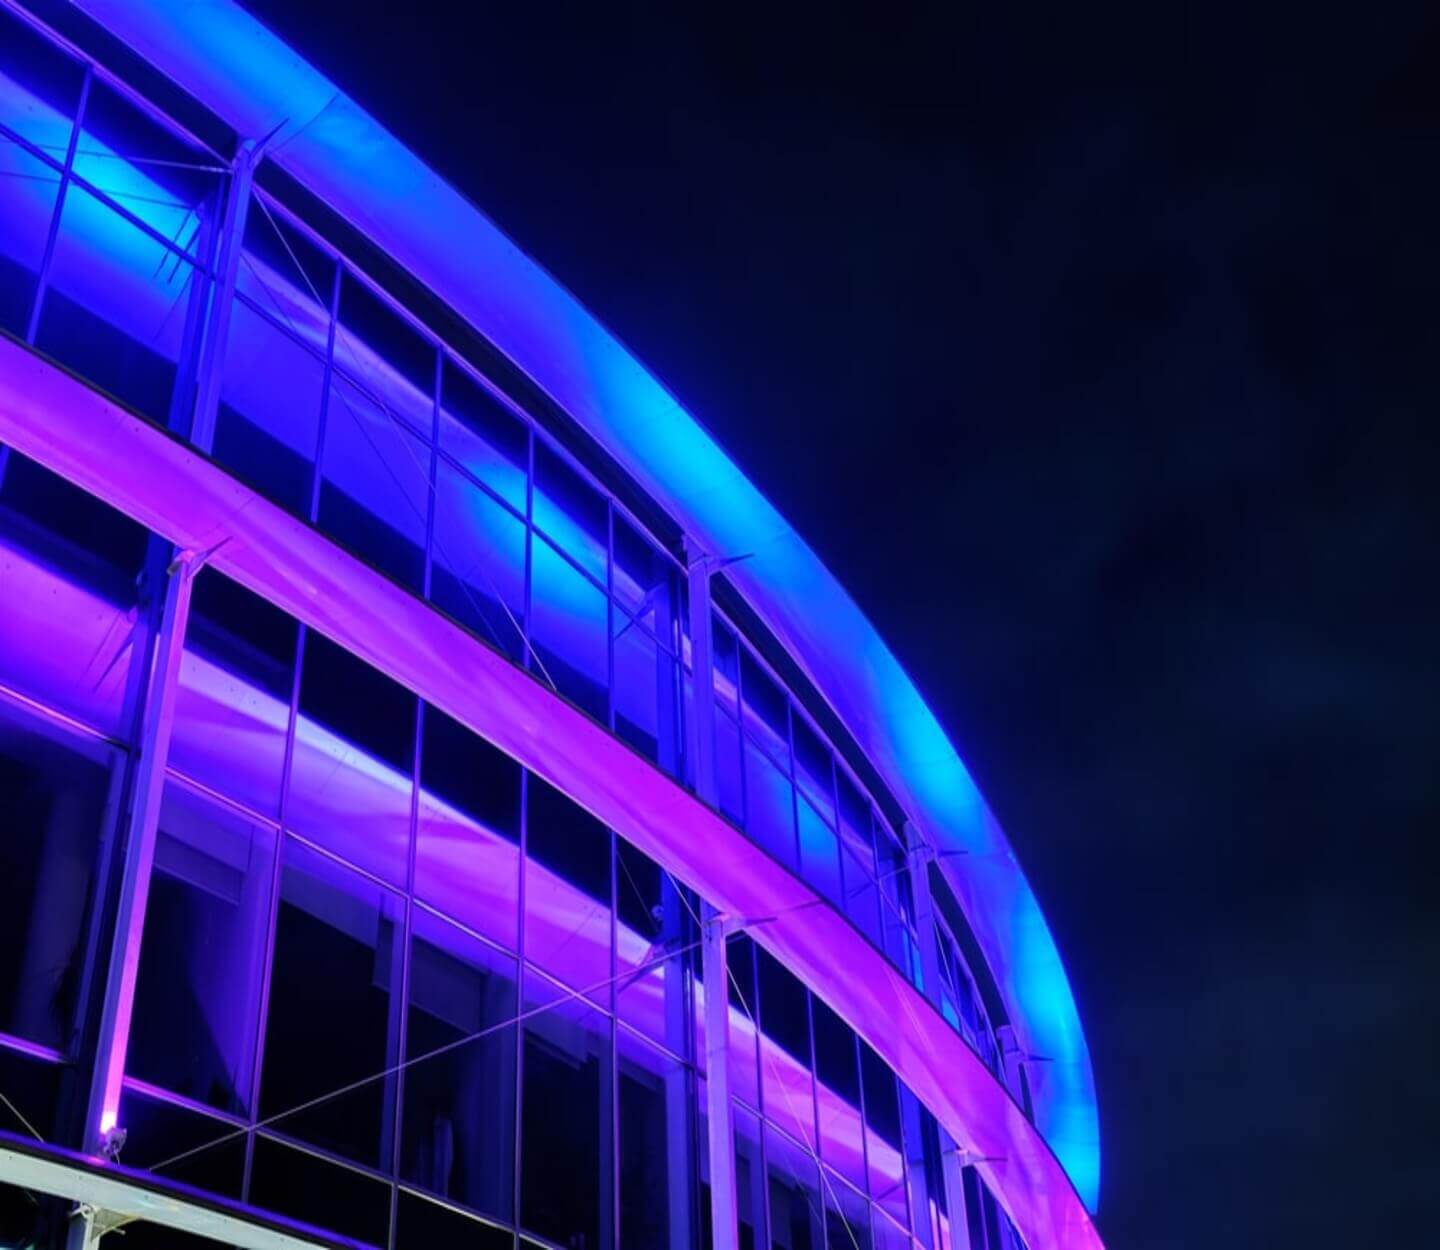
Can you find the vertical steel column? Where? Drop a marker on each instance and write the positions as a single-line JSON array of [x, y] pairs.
[[724, 1218], [158, 720], [217, 324], [918, 856]]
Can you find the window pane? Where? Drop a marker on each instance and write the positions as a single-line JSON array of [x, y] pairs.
[[794, 1195], [467, 855], [729, 766], [566, 1170], [387, 355], [422, 1225], [169, 184], [567, 891], [882, 1137], [27, 201], [838, 1095], [814, 770], [55, 790], [478, 567], [232, 703], [315, 1191], [571, 512], [375, 484], [459, 1120], [331, 1023], [655, 1097], [819, 852], [568, 616], [645, 581], [769, 805], [766, 710], [350, 779], [197, 1001], [647, 709], [652, 993], [485, 438], [744, 1006], [117, 305], [286, 276], [787, 1083], [68, 620], [847, 1217], [267, 428], [39, 86], [155, 1129]]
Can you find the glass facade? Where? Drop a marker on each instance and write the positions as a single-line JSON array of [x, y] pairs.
[[391, 982]]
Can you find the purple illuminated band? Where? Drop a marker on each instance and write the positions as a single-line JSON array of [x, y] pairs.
[[143, 471]]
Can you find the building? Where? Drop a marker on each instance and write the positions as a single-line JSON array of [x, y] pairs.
[[373, 867]]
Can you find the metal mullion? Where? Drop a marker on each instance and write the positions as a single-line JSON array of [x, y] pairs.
[[526, 647], [610, 631], [42, 279], [520, 978], [318, 474], [406, 943], [614, 997], [272, 915]]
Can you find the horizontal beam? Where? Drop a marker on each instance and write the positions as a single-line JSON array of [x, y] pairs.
[[118, 1191], [151, 476]]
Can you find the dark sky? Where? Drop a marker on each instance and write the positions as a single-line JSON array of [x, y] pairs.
[[1096, 353]]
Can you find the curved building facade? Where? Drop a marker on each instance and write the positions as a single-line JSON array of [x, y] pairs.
[[441, 800]]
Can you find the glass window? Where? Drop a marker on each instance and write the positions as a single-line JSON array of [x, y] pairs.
[[568, 630], [882, 1133], [570, 512], [484, 437], [156, 1129], [645, 581], [374, 483], [652, 924], [424, 1225], [847, 1217], [744, 1006], [729, 767], [70, 567], [173, 186], [769, 805], [787, 1081], [267, 428], [387, 355], [332, 1022], [477, 572], [351, 775], [837, 1095], [647, 702], [32, 1085], [39, 87], [315, 1191], [794, 1184], [566, 1134], [567, 891], [286, 275], [28, 187], [819, 852], [655, 1098], [766, 710], [197, 999], [232, 702], [814, 769], [118, 306], [459, 1085], [56, 788], [467, 853]]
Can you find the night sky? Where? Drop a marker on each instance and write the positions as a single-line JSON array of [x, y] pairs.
[[1096, 353]]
